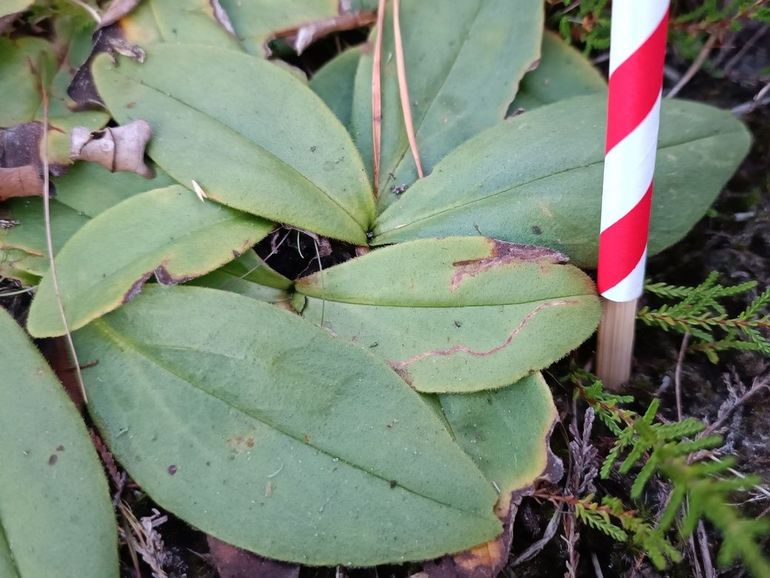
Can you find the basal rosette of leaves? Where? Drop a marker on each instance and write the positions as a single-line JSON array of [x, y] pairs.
[[389, 408]]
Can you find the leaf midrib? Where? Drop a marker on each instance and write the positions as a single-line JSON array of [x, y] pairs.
[[533, 181], [4, 536], [267, 152], [412, 306], [119, 339]]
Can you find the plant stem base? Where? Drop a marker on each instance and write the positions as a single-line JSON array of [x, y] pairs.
[[616, 342]]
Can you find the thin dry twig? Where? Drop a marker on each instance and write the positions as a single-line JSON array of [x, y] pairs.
[[708, 565], [403, 87], [759, 384], [694, 67], [678, 375], [377, 95], [49, 243]]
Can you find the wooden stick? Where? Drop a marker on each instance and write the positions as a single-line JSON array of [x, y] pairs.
[[616, 342]]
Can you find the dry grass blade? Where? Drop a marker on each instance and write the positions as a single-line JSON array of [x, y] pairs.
[[377, 95], [403, 87], [49, 239]]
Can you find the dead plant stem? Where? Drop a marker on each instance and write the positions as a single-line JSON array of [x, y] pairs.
[[377, 95], [403, 87], [49, 242]]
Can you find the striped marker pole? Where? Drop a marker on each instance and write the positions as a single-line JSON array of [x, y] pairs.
[[637, 54]]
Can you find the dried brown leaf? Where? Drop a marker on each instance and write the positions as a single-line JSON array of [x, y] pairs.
[[117, 149], [20, 163], [232, 562]]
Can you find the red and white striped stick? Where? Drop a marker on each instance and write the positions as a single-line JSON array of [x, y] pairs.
[[637, 53]]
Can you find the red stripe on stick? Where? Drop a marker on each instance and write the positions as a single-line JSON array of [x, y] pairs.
[[622, 244], [635, 86]]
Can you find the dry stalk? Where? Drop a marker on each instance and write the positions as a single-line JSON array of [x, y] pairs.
[[403, 87]]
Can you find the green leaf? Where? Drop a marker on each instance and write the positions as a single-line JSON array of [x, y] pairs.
[[254, 137], [176, 22], [456, 314], [248, 275], [256, 427], [255, 20], [167, 232], [334, 84], [57, 516], [84, 192], [11, 266], [14, 6], [563, 72], [537, 178], [505, 431], [464, 61]]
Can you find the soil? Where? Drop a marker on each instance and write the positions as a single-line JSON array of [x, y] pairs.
[[733, 240]]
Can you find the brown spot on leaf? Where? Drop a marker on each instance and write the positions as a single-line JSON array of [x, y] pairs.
[[136, 287], [172, 469], [241, 443], [165, 277], [503, 253], [53, 459]]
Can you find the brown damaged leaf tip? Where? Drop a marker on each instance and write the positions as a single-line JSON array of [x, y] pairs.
[[232, 562], [504, 253], [117, 149]]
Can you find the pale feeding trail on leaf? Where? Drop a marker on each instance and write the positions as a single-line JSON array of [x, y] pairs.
[[403, 87], [49, 240]]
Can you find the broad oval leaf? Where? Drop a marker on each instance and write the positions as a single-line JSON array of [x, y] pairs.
[[254, 137], [562, 73], [456, 314], [537, 178], [253, 425], [57, 515], [166, 232], [464, 61]]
